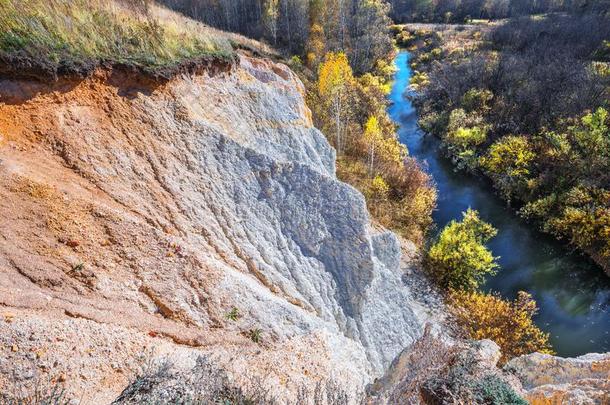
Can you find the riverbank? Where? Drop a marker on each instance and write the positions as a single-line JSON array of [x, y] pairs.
[[488, 93], [573, 295]]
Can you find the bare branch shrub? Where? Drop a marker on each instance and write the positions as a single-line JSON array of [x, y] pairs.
[[425, 358], [432, 371], [207, 383], [40, 393]]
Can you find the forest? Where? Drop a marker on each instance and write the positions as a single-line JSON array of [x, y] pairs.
[[303, 27], [526, 105], [462, 11]]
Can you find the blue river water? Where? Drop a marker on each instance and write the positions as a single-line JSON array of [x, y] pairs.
[[573, 295]]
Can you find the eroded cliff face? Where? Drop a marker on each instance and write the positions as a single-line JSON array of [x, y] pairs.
[[135, 217]]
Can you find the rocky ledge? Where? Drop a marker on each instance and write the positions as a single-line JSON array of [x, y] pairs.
[[549, 380]]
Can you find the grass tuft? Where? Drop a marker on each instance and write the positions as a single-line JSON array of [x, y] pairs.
[[42, 393], [53, 37]]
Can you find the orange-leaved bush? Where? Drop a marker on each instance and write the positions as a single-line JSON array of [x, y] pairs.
[[509, 324]]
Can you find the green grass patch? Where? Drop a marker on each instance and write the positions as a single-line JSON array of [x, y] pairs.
[[75, 36]]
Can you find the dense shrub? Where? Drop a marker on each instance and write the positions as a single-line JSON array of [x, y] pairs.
[[509, 324], [509, 163], [494, 391], [459, 259], [460, 382], [402, 197], [40, 393]]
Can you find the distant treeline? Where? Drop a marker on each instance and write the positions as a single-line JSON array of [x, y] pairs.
[[308, 28], [459, 11]]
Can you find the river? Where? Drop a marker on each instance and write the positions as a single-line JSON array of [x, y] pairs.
[[573, 295]]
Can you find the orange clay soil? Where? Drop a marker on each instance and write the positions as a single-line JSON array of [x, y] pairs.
[[69, 243]]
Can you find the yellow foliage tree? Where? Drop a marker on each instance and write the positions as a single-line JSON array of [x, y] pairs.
[[379, 188], [388, 149], [508, 163], [373, 138], [392, 150], [335, 79], [315, 45], [509, 324], [459, 258], [378, 194]]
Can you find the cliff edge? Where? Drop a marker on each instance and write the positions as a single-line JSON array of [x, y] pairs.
[[198, 216]]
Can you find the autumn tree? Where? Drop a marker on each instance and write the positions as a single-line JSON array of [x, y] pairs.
[[336, 22], [509, 324], [316, 43], [335, 78], [270, 18], [591, 139], [315, 46], [373, 138], [293, 25], [459, 258], [465, 133], [496, 8], [508, 163], [370, 38], [379, 189]]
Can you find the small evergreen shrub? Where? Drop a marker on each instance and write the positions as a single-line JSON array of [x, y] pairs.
[[494, 391], [461, 381]]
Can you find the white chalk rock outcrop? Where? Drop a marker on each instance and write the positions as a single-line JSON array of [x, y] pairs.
[[266, 193], [190, 199]]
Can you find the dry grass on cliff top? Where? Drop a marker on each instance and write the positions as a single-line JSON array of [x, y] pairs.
[[47, 38]]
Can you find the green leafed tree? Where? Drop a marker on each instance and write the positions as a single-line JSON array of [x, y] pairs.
[[508, 163], [459, 258]]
